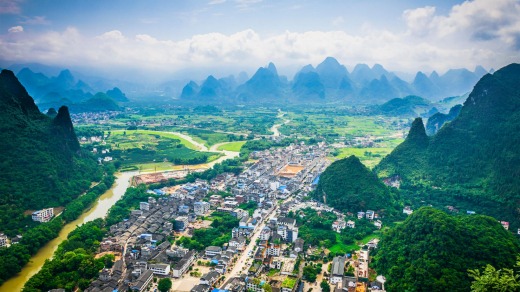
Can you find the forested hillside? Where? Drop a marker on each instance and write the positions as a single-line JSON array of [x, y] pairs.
[[474, 161], [41, 155], [350, 186], [432, 251]]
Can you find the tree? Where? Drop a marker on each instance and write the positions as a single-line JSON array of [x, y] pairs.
[[491, 279], [325, 287], [164, 285]]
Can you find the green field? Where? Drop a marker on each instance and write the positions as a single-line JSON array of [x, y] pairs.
[[130, 133], [340, 247], [370, 157], [232, 146], [155, 150]]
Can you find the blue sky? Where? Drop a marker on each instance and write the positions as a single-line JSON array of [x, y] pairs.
[[222, 37]]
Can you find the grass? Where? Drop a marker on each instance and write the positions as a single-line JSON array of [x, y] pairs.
[[340, 247], [232, 146], [370, 157], [130, 133], [289, 282], [273, 272]]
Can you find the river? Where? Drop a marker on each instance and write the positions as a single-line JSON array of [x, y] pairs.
[[98, 210]]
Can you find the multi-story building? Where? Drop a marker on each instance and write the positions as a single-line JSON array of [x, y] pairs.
[[43, 215], [337, 270], [181, 223], [160, 269], [183, 265], [201, 208], [144, 206]]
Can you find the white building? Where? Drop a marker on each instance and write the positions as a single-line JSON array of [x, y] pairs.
[[201, 208], [351, 224], [44, 215], [407, 210], [183, 265], [370, 214], [160, 269]]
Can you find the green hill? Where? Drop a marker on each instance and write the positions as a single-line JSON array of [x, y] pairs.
[[407, 106], [473, 162], [41, 158], [351, 187], [432, 251]]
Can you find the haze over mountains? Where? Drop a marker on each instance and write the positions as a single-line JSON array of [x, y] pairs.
[[331, 81], [328, 82]]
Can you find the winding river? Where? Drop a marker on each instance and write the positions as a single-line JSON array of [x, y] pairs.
[[98, 210]]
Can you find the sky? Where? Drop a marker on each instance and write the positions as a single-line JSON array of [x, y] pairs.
[[163, 39]]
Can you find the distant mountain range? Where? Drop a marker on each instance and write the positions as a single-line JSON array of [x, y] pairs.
[[331, 81], [65, 89]]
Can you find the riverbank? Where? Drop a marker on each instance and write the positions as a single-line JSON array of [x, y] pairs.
[[98, 210]]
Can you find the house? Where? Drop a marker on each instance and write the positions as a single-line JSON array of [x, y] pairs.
[[160, 269], [351, 224], [370, 214], [265, 234], [212, 251], [378, 224], [337, 270], [273, 249], [518, 231], [238, 242], [181, 223], [505, 224], [3, 240], [338, 225], [144, 206], [360, 215], [44, 215], [407, 210], [298, 245], [142, 282], [201, 288], [183, 209], [182, 266], [201, 208], [210, 278]]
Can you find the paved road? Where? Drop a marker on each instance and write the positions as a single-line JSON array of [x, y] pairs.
[[244, 261]]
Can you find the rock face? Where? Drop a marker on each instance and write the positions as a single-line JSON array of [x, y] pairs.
[[436, 121]]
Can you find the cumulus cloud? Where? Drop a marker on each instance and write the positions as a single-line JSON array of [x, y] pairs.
[[478, 20], [473, 33], [15, 29]]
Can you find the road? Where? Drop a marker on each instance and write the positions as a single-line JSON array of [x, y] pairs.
[[244, 261]]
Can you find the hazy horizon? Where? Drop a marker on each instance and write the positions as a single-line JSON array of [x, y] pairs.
[[168, 40]]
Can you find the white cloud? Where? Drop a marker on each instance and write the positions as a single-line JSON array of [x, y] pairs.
[[479, 20], [10, 7], [15, 29], [473, 33]]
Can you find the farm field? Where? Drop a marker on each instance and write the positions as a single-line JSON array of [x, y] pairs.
[[155, 150]]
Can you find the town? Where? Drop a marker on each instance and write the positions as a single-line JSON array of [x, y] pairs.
[[264, 253]]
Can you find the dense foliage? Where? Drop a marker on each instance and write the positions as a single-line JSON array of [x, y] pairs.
[[217, 235], [351, 187], [432, 251], [45, 167], [474, 161], [74, 264], [402, 107], [491, 279]]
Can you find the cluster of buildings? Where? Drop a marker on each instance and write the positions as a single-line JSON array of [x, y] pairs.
[[269, 238]]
